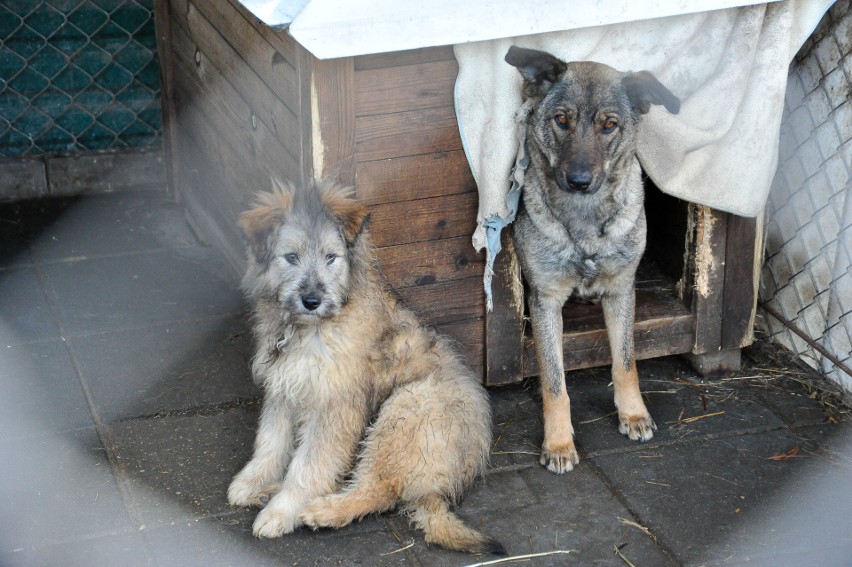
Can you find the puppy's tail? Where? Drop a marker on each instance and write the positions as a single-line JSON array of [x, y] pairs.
[[444, 528]]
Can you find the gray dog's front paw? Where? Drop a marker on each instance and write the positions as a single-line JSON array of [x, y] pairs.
[[559, 460], [637, 428]]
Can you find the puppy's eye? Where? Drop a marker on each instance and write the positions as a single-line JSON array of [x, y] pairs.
[[561, 120], [330, 258], [610, 126], [292, 258]]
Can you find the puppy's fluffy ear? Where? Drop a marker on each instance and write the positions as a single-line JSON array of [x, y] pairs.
[[259, 222], [644, 89], [350, 215], [538, 68]]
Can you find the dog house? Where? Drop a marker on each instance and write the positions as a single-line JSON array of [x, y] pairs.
[[245, 101]]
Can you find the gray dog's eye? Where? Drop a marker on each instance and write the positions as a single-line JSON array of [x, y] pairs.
[[610, 125], [292, 258], [561, 120], [330, 258]]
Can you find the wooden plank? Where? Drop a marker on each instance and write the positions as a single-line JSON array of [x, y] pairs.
[[422, 131], [400, 89], [504, 324], [231, 117], [280, 39], [709, 277], [414, 177], [232, 178], [469, 342], [434, 261], [193, 36], [662, 328], [271, 66], [401, 58], [163, 30], [446, 302], [425, 219], [742, 273], [332, 117], [214, 224]]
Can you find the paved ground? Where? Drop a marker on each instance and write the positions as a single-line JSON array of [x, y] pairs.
[[126, 407]]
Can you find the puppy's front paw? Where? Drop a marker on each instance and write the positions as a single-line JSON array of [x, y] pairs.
[[250, 492], [559, 459], [274, 522], [637, 427], [322, 513]]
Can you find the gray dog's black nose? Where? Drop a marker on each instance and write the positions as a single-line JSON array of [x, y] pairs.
[[311, 302], [579, 180]]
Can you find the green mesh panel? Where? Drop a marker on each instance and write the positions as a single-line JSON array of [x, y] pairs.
[[77, 75]]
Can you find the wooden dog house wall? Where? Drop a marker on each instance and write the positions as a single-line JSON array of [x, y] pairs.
[[243, 102]]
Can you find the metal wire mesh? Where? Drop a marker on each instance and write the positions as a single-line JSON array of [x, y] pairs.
[[807, 275], [77, 75]]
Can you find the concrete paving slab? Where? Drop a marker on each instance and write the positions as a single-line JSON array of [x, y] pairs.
[[24, 313], [221, 541], [133, 291], [41, 391], [57, 488], [697, 496], [127, 549], [105, 225], [171, 367], [535, 511], [179, 467]]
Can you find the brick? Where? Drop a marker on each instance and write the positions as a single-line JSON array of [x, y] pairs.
[[829, 224], [793, 172], [787, 141], [819, 106], [797, 255], [837, 87], [836, 174], [827, 54], [819, 190], [843, 27], [808, 152], [795, 91], [828, 140], [786, 222], [842, 118], [812, 242], [846, 65], [809, 71], [801, 124]]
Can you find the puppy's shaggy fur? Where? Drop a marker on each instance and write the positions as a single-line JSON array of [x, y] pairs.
[[364, 409]]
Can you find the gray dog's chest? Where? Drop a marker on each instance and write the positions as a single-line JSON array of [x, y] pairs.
[[585, 259]]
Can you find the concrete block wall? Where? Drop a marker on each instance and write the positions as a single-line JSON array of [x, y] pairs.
[[807, 275]]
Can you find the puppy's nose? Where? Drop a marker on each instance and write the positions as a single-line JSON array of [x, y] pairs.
[[311, 302], [579, 180]]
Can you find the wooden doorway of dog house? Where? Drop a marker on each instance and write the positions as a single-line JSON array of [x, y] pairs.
[[696, 291], [244, 100]]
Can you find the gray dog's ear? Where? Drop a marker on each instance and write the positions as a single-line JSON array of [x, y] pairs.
[[538, 68], [644, 89]]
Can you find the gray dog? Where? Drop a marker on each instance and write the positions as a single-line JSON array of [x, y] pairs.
[[580, 229]]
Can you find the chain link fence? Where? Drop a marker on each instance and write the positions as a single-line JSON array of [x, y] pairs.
[[806, 282], [77, 75]]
